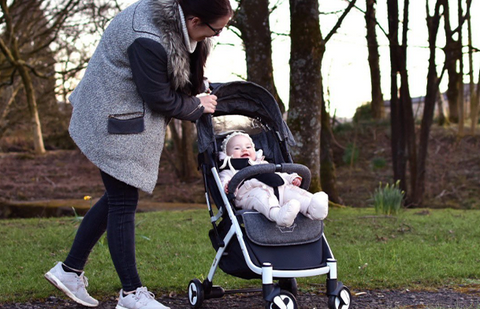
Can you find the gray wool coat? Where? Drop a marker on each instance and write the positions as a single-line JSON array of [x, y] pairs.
[[110, 123]]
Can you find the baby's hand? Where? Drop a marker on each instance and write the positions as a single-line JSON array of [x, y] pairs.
[[297, 181], [226, 188]]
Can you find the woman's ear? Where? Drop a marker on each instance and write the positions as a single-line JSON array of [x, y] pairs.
[[195, 21]]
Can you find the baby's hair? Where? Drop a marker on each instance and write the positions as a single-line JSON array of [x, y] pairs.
[[228, 137]]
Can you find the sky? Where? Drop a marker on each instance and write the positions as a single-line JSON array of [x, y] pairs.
[[345, 65]]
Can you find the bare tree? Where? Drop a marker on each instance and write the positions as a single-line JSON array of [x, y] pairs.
[[378, 110], [433, 81], [33, 32], [306, 105], [474, 99], [454, 62], [307, 50], [181, 153], [404, 145], [401, 111], [252, 19]]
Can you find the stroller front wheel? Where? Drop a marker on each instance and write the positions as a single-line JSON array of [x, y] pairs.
[[284, 300], [195, 293], [289, 284], [342, 301]]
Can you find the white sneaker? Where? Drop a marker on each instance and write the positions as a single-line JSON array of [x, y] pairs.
[[141, 299], [73, 285]]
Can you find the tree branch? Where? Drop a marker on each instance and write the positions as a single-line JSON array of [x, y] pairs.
[[340, 20]]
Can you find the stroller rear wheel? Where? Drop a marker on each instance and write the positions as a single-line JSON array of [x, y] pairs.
[[195, 293], [284, 300], [342, 301]]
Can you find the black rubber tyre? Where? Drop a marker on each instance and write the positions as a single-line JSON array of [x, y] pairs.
[[289, 301], [195, 293], [342, 301], [289, 284]]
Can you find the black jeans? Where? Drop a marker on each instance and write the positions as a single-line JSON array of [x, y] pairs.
[[115, 213]]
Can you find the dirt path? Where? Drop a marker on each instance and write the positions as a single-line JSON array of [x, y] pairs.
[[378, 299]]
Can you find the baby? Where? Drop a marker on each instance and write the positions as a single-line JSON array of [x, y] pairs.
[[276, 195]]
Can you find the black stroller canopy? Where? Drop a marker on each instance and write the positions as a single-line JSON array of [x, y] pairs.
[[247, 99]]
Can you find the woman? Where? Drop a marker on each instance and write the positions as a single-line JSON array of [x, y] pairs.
[[147, 68]]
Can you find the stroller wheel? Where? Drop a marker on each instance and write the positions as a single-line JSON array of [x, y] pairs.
[[342, 301], [195, 293], [284, 300], [289, 284]]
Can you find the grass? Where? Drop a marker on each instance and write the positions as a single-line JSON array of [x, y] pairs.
[[418, 249]]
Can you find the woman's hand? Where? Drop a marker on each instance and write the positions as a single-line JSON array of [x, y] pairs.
[[209, 103]]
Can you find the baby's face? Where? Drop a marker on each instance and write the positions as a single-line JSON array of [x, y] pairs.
[[241, 147]]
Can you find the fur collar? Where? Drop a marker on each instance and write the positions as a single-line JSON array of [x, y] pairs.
[[167, 18]]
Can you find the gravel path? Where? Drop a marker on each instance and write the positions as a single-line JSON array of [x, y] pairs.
[[377, 299]]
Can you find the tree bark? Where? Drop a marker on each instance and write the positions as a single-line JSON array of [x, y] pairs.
[[378, 109], [38, 144], [304, 114], [11, 50], [327, 165], [396, 108], [461, 94], [433, 23], [473, 93], [453, 53], [252, 19], [188, 159]]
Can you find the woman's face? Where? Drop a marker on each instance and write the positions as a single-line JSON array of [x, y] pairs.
[[199, 30]]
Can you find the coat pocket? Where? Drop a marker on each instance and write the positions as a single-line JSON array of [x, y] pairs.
[[132, 123]]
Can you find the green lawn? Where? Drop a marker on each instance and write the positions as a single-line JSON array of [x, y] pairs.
[[418, 249]]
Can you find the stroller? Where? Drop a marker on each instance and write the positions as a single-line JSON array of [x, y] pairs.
[[248, 245]]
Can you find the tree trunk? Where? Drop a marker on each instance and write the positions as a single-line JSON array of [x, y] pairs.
[[8, 94], [453, 53], [32, 107], [475, 107], [396, 108], [304, 114], [252, 19], [461, 94], [188, 159], [327, 165], [442, 118], [406, 101], [378, 110], [473, 93], [182, 156], [433, 23]]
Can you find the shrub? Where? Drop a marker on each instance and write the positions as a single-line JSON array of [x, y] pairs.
[[363, 112], [379, 163], [350, 156], [388, 200]]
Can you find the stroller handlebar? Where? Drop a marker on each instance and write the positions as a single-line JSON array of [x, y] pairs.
[[250, 171]]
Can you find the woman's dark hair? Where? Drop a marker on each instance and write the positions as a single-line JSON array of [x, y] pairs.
[[209, 11]]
